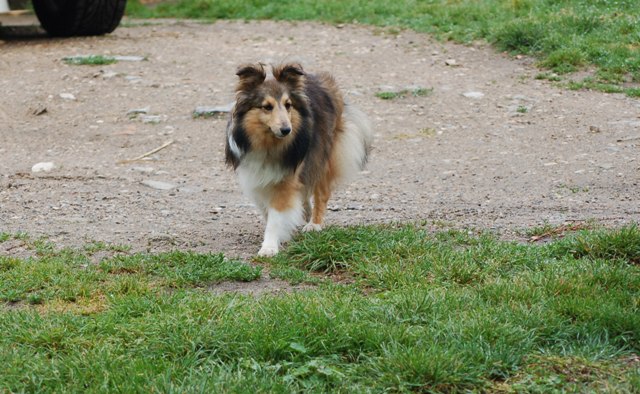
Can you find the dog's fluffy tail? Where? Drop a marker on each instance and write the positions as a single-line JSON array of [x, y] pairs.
[[353, 144]]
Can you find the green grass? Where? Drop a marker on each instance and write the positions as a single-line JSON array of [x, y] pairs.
[[91, 60], [392, 308], [58, 276], [392, 95], [565, 36]]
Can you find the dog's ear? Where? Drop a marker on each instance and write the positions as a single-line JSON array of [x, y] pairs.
[[291, 74], [251, 75]]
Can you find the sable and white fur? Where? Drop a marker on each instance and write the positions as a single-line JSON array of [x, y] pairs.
[[291, 137]]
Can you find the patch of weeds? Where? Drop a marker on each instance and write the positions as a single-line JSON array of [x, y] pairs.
[[632, 92], [391, 95], [589, 83], [99, 246], [317, 256], [564, 61], [294, 276], [609, 77], [129, 24], [68, 276], [573, 188], [390, 31], [8, 263], [91, 60], [522, 109], [427, 132], [43, 246], [421, 92], [388, 95], [571, 374], [548, 231], [539, 230], [179, 269], [521, 36], [623, 244], [22, 236], [549, 77]]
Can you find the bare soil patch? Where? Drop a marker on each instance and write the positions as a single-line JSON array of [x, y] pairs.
[[521, 153]]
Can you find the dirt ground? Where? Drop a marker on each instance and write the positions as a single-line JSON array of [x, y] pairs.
[[491, 148]]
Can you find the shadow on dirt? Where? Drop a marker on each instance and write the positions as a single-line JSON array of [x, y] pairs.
[[22, 33]]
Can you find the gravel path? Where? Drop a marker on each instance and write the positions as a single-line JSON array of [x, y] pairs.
[[491, 147]]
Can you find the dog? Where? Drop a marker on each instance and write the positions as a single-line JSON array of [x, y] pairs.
[[290, 137]]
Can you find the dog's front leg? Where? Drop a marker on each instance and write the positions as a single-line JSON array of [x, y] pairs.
[[281, 224]]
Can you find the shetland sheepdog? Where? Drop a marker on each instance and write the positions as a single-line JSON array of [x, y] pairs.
[[291, 137]]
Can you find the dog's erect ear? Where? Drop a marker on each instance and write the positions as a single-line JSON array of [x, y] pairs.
[[251, 75], [291, 74]]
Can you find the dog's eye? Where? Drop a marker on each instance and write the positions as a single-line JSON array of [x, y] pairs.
[[287, 105], [267, 107]]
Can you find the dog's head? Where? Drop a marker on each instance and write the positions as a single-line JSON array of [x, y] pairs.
[[269, 97]]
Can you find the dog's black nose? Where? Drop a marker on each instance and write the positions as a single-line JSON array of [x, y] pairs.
[[285, 130]]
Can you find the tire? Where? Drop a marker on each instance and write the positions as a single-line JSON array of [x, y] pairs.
[[65, 18]]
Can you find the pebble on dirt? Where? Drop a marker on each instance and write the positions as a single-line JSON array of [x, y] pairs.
[[206, 112], [146, 170], [158, 185], [39, 110], [43, 167], [151, 118], [473, 95], [132, 58], [67, 96], [137, 111]]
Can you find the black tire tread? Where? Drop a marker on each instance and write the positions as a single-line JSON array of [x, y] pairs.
[[79, 17]]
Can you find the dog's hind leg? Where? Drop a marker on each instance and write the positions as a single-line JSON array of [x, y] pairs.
[[321, 195], [306, 204]]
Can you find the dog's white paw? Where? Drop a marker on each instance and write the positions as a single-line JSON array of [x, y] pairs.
[[311, 227], [268, 251]]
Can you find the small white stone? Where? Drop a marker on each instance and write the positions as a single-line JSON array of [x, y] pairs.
[[145, 170], [133, 78], [151, 118], [109, 74], [67, 96], [129, 58], [473, 95], [158, 185], [43, 167], [204, 111]]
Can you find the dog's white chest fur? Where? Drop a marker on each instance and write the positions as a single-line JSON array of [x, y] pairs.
[[257, 171], [257, 176]]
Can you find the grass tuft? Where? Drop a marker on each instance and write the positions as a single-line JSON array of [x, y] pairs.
[[621, 244], [91, 60], [392, 95]]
